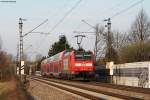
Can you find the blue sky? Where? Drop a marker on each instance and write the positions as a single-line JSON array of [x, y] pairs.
[[36, 11]]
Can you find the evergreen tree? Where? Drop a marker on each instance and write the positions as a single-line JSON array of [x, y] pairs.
[[59, 46]]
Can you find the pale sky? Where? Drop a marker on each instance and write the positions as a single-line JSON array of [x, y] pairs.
[[36, 11]]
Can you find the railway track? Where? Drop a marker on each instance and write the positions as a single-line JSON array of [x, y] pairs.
[[93, 92], [122, 87]]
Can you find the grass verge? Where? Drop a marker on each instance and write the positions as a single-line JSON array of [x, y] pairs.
[[13, 90]]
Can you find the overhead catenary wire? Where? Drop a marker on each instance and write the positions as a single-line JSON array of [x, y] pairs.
[[63, 18], [115, 6], [35, 28], [111, 8], [120, 12], [126, 9], [65, 15], [119, 4], [64, 6]]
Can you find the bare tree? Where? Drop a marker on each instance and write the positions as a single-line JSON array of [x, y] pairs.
[[104, 44], [140, 29], [38, 57], [100, 44], [38, 60], [138, 46], [119, 40], [135, 52], [5, 65]]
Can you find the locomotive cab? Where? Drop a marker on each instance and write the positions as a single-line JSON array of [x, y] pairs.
[[83, 64]]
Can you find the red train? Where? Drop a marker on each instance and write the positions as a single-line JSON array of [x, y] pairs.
[[69, 64]]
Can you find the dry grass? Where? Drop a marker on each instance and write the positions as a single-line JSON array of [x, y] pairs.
[[10, 90]]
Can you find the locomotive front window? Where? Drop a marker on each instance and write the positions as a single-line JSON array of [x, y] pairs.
[[79, 57], [87, 57], [83, 57]]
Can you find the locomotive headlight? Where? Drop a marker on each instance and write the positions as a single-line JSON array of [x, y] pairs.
[[88, 64], [77, 64]]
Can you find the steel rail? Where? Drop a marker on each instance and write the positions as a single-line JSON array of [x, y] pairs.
[[106, 94]]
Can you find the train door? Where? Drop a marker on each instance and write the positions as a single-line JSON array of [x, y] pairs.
[[59, 66], [55, 66], [66, 65], [48, 69], [51, 69]]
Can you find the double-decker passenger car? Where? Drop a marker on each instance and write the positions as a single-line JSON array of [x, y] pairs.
[[69, 64]]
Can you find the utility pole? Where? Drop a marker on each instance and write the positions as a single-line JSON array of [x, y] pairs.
[[109, 38], [79, 41], [109, 46], [21, 36], [96, 40], [21, 44], [17, 60], [96, 37]]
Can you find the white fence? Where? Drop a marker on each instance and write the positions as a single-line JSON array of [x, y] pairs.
[[132, 74]]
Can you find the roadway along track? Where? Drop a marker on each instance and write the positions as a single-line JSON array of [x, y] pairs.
[[90, 93]]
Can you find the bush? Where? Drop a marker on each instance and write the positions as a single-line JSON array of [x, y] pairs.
[[135, 52], [6, 66]]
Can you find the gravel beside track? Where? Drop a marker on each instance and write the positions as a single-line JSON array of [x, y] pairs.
[[104, 93], [136, 93], [81, 92], [41, 91]]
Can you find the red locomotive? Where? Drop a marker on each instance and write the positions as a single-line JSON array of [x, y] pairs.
[[69, 64]]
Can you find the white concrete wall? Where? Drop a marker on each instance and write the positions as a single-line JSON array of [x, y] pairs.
[[132, 65], [132, 81], [149, 75]]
